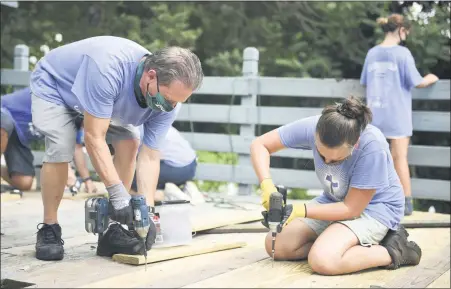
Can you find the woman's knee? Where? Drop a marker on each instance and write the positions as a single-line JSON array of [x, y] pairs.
[[288, 242], [323, 263]]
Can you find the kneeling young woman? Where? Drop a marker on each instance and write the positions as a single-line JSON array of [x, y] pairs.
[[355, 224]]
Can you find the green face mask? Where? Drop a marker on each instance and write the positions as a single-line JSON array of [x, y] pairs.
[[158, 102]]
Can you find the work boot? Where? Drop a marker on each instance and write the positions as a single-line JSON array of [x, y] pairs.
[[401, 251], [49, 245], [118, 240]]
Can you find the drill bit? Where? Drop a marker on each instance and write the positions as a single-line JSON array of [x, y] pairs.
[[145, 255], [273, 247]]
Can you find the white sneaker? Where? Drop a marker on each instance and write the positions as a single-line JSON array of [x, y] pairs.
[[196, 196], [172, 192]]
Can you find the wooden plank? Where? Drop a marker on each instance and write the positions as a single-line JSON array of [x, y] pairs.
[[309, 87], [237, 114], [217, 113], [225, 221], [163, 254], [8, 197], [332, 88], [425, 273], [278, 274], [437, 156], [416, 220], [274, 86], [422, 120], [81, 196], [15, 77], [180, 272], [442, 282], [224, 86], [421, 188]]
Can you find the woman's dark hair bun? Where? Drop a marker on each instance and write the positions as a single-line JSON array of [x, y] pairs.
[[354, 108]]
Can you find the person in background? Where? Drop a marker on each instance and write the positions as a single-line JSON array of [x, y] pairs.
[[389, 74], [73, 183], [355, 224], [177, 168], [17, 131]]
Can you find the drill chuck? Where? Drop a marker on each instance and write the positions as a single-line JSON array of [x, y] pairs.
[[140, 215]]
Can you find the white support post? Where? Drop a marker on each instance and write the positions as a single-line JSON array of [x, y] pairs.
[[250, 71]]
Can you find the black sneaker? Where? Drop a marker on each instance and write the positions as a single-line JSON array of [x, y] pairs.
[[402, 251], [49, 245], [118, 240]]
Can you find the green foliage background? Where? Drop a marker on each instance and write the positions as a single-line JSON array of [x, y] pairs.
[[295, 39]]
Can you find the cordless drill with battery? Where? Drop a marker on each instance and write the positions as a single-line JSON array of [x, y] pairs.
[[97, 217], [276, 213]]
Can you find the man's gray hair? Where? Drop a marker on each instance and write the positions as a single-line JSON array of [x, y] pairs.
[[176, 63]]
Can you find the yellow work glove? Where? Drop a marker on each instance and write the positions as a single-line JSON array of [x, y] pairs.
[[294, 211], [267, 187]]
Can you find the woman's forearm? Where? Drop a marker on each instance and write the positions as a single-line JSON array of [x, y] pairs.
[[330, 212], [260, 158]]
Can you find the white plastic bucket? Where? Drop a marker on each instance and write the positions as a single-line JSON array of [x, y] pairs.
[[175, 223]]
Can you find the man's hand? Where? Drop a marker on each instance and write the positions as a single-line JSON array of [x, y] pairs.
[[267, 187], [120, 208]]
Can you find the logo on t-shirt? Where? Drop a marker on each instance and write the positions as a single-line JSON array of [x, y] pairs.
[[333, 184]]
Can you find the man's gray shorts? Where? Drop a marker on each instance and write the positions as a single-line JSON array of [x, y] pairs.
[[57, 124]]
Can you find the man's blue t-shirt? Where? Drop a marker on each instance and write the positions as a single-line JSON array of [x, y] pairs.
[[369, 167], [389, 74], [97, 75], [18, 106]]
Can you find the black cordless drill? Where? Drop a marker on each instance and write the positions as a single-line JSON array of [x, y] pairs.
[[276, 212]]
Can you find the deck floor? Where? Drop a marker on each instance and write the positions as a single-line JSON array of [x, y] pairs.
[[237, 268]]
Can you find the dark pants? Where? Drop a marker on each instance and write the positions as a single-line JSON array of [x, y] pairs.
[[170, 174]]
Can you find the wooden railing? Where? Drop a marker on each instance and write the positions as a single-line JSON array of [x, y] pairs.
[[248, 115]]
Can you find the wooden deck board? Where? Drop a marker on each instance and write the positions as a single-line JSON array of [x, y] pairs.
[[442, 282], [416, 220], [299, 274], [425, 273], [19, 220]]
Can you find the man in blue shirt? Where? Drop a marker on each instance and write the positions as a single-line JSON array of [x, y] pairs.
[[117, 85], [17, 131]]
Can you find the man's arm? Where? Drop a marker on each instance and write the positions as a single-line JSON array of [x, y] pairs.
[[148, 161], [95, 132]]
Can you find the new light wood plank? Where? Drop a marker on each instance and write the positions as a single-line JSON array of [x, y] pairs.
[[81, 196], [7, 197], [299, 275], [425, 273], [163, 254], [416, 220], [442, 282], [180, 272]]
